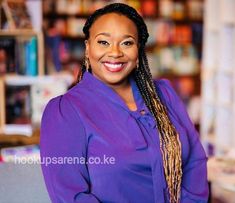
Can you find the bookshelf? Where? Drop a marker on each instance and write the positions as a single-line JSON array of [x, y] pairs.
[[17, 33], [218, 78]]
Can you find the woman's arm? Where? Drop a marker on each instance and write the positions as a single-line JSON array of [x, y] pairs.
[[63, 146], [194, 182]]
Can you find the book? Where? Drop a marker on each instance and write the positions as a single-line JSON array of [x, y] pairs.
[[53, 45], [163, 32], [166, 8], [31, 57], [186, 60], [149, 8], [7, 55], [178, 11], [26, 56], [74, 7], [20, 55], [181, 34], [195, 9]]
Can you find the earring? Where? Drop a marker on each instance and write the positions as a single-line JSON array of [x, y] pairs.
[[137, 65], [87, 64]]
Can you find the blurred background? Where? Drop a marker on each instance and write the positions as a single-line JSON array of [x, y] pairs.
[[191, 43]]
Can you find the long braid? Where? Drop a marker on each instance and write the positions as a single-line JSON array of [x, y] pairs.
[[169, 139], [170, 145]]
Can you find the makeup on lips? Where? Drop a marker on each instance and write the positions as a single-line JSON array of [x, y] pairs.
[[114, 66]]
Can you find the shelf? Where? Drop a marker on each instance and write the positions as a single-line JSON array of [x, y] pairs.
[[18, 32], [151, 47], [64, 15], [11, 79], [172, 20], [54, 15], [72, 37], [20, 139], [175, 75]]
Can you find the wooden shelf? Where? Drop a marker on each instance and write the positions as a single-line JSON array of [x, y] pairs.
[[18, 32], [20, 139]]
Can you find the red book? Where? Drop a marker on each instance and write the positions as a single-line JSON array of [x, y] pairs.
[[149, 8]]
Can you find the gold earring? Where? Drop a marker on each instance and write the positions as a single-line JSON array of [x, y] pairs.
[[137, 65], [87, 64]]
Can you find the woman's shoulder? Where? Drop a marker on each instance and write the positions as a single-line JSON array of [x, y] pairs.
[[59, 105], [165, 90], [77, 91]]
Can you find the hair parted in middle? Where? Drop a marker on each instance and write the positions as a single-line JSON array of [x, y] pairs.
[[170, 145]]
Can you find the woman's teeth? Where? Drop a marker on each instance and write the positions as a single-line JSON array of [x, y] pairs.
[[113, 66]]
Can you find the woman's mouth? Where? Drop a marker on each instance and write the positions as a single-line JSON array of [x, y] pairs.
[[114, 67]]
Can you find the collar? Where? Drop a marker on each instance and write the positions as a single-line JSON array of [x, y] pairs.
[[95, 85]]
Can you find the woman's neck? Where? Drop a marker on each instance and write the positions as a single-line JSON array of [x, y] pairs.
[[124, 90]]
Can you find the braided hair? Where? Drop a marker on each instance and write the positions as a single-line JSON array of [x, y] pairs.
[[170, 145]]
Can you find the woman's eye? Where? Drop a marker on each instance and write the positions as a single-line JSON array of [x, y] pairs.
[[128, 43], [103, 42]]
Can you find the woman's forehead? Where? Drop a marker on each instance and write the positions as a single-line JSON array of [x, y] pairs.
[[112, 23]]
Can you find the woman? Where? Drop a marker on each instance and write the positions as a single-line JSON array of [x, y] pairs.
[[117, 111]]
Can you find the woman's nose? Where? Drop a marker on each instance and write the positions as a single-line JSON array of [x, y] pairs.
[[115, 51]]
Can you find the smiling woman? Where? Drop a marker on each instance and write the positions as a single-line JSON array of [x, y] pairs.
[[112, 49], [116, 110]]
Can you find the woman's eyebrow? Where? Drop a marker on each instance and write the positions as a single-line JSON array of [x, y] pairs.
[[127, 36], [103, 33], [108, 35]]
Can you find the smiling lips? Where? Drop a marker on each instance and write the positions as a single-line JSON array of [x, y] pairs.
[[114, 67]]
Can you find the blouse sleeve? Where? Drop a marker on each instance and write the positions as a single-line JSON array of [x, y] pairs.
[[63, 150], [194, 183]]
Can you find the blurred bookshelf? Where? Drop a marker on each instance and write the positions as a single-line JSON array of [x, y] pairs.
[[25, 89], [21, 55]]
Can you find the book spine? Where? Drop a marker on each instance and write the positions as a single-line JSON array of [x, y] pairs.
[[31, 57]]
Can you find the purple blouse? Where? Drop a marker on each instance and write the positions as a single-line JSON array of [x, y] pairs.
[[92, 121]]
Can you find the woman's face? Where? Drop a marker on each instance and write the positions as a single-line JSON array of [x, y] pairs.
[[112, 48]]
